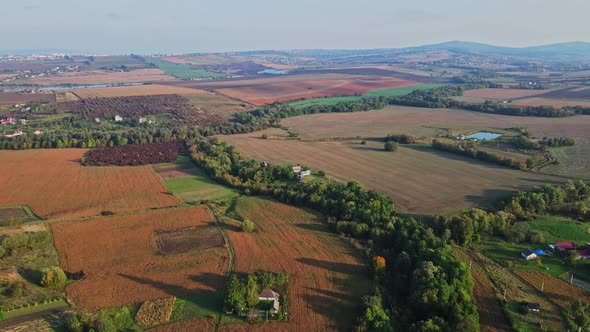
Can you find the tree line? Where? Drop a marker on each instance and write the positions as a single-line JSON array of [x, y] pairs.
[[470, 149], [423, 287]]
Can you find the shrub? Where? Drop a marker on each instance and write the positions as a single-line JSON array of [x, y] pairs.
[[390, 146], [264, 136], [248, 226], [53, 277]]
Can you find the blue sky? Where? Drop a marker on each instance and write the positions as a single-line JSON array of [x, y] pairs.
[[121, 26]]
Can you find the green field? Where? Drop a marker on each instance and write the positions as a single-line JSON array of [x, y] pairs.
[[196, 185], [559, 229], [183, 71], [389, 92]]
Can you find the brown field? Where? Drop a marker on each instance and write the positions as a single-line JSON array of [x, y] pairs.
[[506, 154], [218, 104], [489, 307], [119, 258], [178, 241], [400, 119], [54, 185], [129, 91], [326, 278], [10, 98], [265, 90], [102, 77], [504, 94], [559, 291], [550, 102], [417, 178]]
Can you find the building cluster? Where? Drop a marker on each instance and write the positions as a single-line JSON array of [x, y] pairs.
[[301, 173]]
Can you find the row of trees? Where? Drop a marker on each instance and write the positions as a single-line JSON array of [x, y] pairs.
[[424, 287], [469, 226], [132, 155], [470, 149]]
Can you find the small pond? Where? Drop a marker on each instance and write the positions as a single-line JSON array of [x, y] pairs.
[[273, 72], [484, 136]]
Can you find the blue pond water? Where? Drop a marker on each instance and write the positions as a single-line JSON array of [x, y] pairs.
[[484, 136], [273, 72]]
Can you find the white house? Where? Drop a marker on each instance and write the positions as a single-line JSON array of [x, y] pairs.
[[268, 295], [142, 120], [118, 118], [296, 169], [97, 120]]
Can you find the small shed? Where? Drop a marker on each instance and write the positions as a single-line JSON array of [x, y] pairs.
[[563, 246], [274, 307], [118, 118], [534, 307], [528, 254]]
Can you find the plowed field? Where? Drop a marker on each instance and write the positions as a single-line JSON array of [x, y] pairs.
[[121, 264], [54, 185]]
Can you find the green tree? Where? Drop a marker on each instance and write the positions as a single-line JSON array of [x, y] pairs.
[[390, 146], [248, 226], [53, 277], [572, 257], [578, 316], [252, 291], [235, 294]]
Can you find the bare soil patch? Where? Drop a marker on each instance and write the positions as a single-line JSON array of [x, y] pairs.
[[121, 264], [200, 325], [55, 185], [559, 291], [103, 77], [188, 239], [10, 98]]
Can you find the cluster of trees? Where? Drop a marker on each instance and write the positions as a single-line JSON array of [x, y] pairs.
[[132, 155], [423, 288], [242, 293], [470, 149], [400, 138], [390, 146], [469, 226], [558, 141], [53, 277], [117, 319]]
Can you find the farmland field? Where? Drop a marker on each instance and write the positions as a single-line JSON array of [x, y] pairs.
[[417, 178], [102, 77], [136, 90], [119, 258], [76, 191], [183, 71], [189, 183], [266, 90], [558, 229], [391, 92], [503, 94], [559, 291], [10, 98], [327, 279], [539, 101]]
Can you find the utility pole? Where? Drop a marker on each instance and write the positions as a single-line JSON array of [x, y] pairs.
[[543, 285], [504, 293], [470, 264], [572, 279]]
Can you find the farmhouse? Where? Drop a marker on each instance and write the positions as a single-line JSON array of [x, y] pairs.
[[268, 295], [118, 118], [528, 254], [142, 120], [8, 120], [17, 132], [97, 120], [296, 169]]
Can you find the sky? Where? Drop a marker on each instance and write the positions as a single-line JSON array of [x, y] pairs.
[[183, 26]]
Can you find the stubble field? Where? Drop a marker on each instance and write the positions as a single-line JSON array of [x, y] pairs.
[[120, 258], [102, 77], [137, 90], [417, 178], [327, 279], [54, 185]]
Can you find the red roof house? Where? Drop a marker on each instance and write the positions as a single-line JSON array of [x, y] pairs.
[[564, 245]]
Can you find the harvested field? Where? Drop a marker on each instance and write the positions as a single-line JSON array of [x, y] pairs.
[[12, 213], [503, 94], [137, 90], [119, 258], [76, 191], [489, 307], [400, 119], [327, 279], [550, 102], [200, 325], [267, 90], [155, 312], [217, 104], [189, 239], [102, 77], [417, 178], [10, 98], [559, 291], [574, 93], [506, 154]]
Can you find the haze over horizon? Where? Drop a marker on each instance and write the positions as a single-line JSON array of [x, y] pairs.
[[195, 26]]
